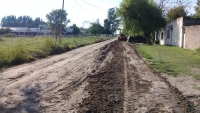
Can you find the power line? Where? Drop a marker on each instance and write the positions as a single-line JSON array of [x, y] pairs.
[[83, 8], [93, 5]]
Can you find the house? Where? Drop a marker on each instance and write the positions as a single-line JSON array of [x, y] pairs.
[[183, 32]]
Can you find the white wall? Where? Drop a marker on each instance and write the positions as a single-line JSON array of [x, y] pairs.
[[160, 37], [175, 34]]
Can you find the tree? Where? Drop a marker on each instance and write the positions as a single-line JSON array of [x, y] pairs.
[[198, 9], [21, 21], [176, 13], [37, 22], [96, 28], [111, 23], [107, 24], [76, 30], [54, 20], [166, 5], [142, 17], [4, 31], [9, 21]]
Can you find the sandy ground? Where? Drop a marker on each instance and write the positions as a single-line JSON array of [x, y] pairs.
[[107, 77]]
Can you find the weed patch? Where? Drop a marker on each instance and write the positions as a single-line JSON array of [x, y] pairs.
[[14, 51]]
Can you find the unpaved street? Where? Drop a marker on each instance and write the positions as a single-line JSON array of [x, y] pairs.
[[107, 77]]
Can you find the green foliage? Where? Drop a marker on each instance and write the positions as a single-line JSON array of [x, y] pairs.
[[76, 30], [107, 24], [96, 28], [157, 41], [54, 19], [173, 60], [197, 9], [4, 31], [112, 21], [140, 17], [9, 35], [176, 13], [15, 51], [21, 21]]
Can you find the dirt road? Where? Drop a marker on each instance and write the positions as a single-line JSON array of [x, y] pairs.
[[108, 77]]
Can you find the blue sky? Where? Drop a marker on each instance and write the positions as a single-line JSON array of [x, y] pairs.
[[77, 15]]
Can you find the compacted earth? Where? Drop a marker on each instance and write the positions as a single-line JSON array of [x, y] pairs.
[[107, 77]]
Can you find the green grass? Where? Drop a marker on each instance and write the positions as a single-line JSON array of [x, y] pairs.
[[14, 51], [173, 60]]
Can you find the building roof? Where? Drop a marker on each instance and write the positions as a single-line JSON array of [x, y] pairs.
[[68, 29], [34, 29]]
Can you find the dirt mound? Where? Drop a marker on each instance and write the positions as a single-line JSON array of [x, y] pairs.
[[106, 88]]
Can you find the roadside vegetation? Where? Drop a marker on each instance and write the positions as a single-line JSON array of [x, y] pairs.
[[14, 51], [173, 60]]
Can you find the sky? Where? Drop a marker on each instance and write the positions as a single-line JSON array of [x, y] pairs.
[[78, 10]]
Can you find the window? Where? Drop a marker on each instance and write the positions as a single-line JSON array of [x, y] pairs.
[[168, 33]]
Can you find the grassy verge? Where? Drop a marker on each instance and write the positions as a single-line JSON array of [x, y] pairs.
[[173, 60], [14, 51]]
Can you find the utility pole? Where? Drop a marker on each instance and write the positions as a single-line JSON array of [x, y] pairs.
[[61, 21]]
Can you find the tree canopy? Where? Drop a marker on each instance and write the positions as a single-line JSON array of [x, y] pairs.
[[76, 30], [96, 28], [198, 9], [140, 17], [21, 21], [112, 22], [176, 12], [4, 31], [54, 19]]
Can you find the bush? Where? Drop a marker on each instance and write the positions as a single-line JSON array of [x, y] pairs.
[[157, 42], [9, 35]]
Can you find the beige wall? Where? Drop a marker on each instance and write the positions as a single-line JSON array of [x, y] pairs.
[[192, 37]]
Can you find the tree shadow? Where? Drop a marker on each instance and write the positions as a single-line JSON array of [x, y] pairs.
[[31, 103]]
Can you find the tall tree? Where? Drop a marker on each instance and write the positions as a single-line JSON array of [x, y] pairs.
[[112, 19], [141, 17], [176, 13], [9, 21], [54, 19], [107, 24], [38, 21], [96, 28], [21, 21]]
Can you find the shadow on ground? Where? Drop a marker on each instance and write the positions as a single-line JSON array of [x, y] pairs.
[[31, 103]]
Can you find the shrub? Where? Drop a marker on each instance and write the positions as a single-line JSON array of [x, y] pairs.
[[157, 42], [9, 35]]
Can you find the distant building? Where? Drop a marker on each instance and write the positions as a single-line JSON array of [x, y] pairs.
[[69, 31], [25, 31], [183, 32]]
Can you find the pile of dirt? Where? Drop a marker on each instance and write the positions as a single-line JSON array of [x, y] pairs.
[[106, 88]]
